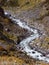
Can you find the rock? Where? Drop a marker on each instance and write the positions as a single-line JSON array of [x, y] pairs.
[[1, 48], [1, 12], [8, 42], [1, 27], [20, 38], [48, 42]]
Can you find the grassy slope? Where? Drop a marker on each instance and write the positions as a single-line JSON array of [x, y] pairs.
[[17, 61], [24, 6]]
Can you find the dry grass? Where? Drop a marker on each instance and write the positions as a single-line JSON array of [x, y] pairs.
[[6, 60]]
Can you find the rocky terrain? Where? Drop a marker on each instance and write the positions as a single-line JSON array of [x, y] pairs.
[[12, 34]]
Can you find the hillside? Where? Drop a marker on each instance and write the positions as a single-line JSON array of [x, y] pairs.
[[24, 30]]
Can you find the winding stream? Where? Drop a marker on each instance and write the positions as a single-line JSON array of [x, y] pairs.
[[24, 43]]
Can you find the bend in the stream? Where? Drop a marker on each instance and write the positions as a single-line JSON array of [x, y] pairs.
[[24, 43]]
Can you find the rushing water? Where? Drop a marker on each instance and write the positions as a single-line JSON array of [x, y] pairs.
[[24, 43]]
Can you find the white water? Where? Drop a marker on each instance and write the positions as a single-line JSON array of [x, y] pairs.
[[24, 43]]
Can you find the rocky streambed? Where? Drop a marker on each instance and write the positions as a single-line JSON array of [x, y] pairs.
[[24, 44]]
